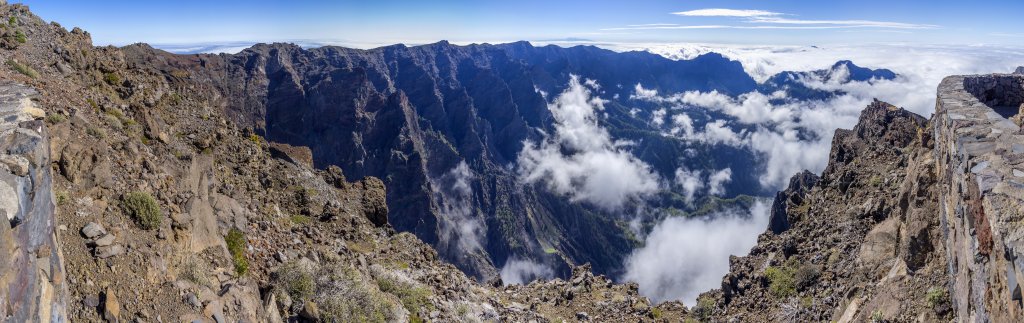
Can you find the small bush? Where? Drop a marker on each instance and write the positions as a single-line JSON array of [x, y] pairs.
[[194, 270], [806, 276], [114, 122], [877, 316], [61, 197], [20, 37], [296, 280], [12, 21], [702, 311], [300, 219], [875, 181], [23, 69], [112, 79], [237, 243], [413, 297], [656, 313], [344, 296], [781, 282], [936, 296], [145, 210], [93, 105], [96, 132], [55, 118]]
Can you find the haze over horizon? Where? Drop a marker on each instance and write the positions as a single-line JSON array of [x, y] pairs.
[[366, 25]]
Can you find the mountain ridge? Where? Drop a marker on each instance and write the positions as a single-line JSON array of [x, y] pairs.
[[247, 234]]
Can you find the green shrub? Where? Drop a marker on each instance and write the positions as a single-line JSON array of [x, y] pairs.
[[806, 276], [296, 280], [55, 118], [413, 297], [112, 79], [875, 181], [96, 132], [20, 37], [12, 21], [93, 105], [656, 313], [23, 69], [877, 316], [145, 210], [237, 243], [781, 282], [300, 219], [936, 296], [345, 296], [61, 197], [703, 310], [195, 271]]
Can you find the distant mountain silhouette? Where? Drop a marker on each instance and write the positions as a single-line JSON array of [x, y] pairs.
[[793, 83]]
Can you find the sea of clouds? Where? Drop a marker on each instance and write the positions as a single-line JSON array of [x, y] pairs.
[[683, 257]]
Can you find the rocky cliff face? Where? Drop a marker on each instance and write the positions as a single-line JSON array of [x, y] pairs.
[[32, 276], [861, 242], [412, 115], [164, 208]]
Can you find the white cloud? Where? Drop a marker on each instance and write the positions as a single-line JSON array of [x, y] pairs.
[[718, 12], [658, 117], [460, 227], [640, 93], [523, 271], [581, 160], [844, 23], [682, 258], [682, 125], [689, 181], [772, 20], [717, 181], [790, 135]]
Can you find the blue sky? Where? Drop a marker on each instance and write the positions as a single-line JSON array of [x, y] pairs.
[[378, 22]]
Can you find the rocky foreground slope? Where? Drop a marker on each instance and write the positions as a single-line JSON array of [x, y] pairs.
[[136, 197]]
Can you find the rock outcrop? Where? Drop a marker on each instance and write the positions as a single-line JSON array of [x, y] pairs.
[[33, 283], [860, 243]]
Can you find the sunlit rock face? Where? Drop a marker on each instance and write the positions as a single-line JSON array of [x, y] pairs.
[[32, 287], [413, 116]]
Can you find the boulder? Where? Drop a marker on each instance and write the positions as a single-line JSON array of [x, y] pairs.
[[93, 230], [374, 200], [111, 307], [109, 251], [105, 240]]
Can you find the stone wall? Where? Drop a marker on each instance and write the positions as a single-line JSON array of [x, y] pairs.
[[981, 155], [32, 284]]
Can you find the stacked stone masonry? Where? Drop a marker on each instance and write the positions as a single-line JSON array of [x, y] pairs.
[[981, 153], [32, 284]]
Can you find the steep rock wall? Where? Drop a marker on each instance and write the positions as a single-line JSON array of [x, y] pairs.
[[32, 287], [980, 153]]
